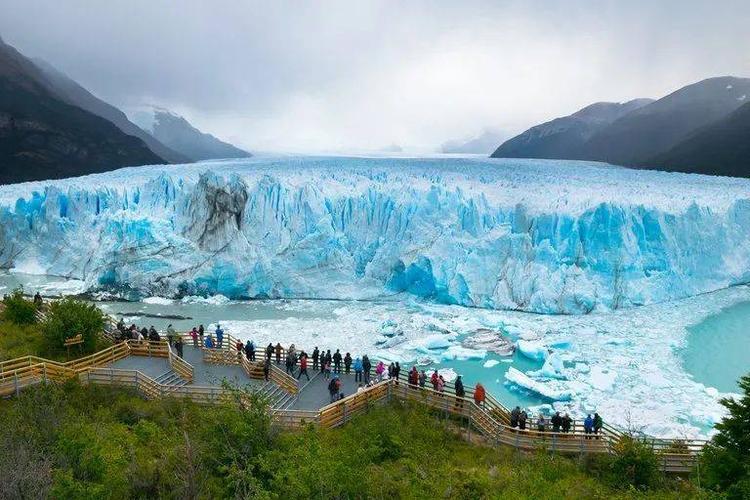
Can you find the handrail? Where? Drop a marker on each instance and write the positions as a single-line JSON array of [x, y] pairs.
[[184, 369]]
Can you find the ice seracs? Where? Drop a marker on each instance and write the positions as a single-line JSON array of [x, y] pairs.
[[539, 236]]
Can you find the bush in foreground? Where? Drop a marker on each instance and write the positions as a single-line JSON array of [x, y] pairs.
[[69, 317], [17, 309], [91, 442]]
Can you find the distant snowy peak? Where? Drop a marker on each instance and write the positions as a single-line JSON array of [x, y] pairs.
[[484, 143], [177, 133]]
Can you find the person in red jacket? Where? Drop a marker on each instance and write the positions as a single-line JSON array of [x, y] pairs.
[[413, 377], [434, 380], [479, 394], [303, 367], [240, 350]]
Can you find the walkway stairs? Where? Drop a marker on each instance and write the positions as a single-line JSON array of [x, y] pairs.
[[170, 378], [278, 398]]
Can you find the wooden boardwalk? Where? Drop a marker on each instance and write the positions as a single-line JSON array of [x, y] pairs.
[[155, 370]]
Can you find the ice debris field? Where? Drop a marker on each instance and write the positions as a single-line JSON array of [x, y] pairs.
[[553, 237]]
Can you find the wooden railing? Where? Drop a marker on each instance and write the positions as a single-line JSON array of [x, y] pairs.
[[343, 410], [181, 367], [151, 389]]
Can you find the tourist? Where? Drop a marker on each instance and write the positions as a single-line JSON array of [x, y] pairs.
[[194, 335], [459, 387], [278, 353], [598, 424], [329, 358], [289, 362], [219, 336], [434, 380], [514, 414], [144, 333], [153, 335], [397, 371], [38, 301], [178, 345], [250, 350], [292, 352], [347, 362], [541, 423], [413, 377], [240, 349], [379, 371], [267, 368], [269, 351], [327, 369], [303, 367], [422, 379], [479, 394], [441, 384], [209, 343], [171, 333], [315, 355], [391, 370], [337, 362], [366, 366], [566, 421], [460, 392], [138, 336], [334, 387], [201, 333], [556, 422], [588, 426], [358, 370], [522, 420]]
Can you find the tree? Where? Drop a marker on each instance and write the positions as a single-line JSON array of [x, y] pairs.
[[726, 459], [69, 317]]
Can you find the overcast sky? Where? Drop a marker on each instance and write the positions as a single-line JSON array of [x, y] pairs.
[[359, 75]]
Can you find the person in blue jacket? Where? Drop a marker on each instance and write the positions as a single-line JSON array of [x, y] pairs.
[[358, 369], [588, 426], [219, 336]]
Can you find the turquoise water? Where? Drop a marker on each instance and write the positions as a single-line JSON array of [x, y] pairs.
[[718, 348]]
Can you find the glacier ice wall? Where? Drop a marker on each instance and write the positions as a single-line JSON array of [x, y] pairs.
[[551, 237]]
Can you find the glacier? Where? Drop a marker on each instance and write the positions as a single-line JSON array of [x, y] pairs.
[[557, 237]]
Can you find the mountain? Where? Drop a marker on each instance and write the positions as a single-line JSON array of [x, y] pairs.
[[565, 137], [44, 137], [640, 136], [484, 143], [177, 133], [71, 92], [722, 148]]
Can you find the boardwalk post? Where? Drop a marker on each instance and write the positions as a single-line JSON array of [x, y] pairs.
[[15, 378]]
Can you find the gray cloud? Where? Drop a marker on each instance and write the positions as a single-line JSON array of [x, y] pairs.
[[312, 76]]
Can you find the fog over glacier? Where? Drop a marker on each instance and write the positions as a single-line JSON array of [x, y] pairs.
[[530, 235]]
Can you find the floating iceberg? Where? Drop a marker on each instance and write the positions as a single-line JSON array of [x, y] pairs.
[[532, 349], [550, 390], [531, 235]]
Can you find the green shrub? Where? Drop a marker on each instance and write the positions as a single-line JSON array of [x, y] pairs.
[[69, 317], [18, 310], [634, 463], [726, 460]]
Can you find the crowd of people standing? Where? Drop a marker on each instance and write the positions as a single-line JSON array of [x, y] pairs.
[[332, 364]]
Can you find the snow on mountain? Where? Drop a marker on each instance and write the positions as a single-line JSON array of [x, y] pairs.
[[532, 235]]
